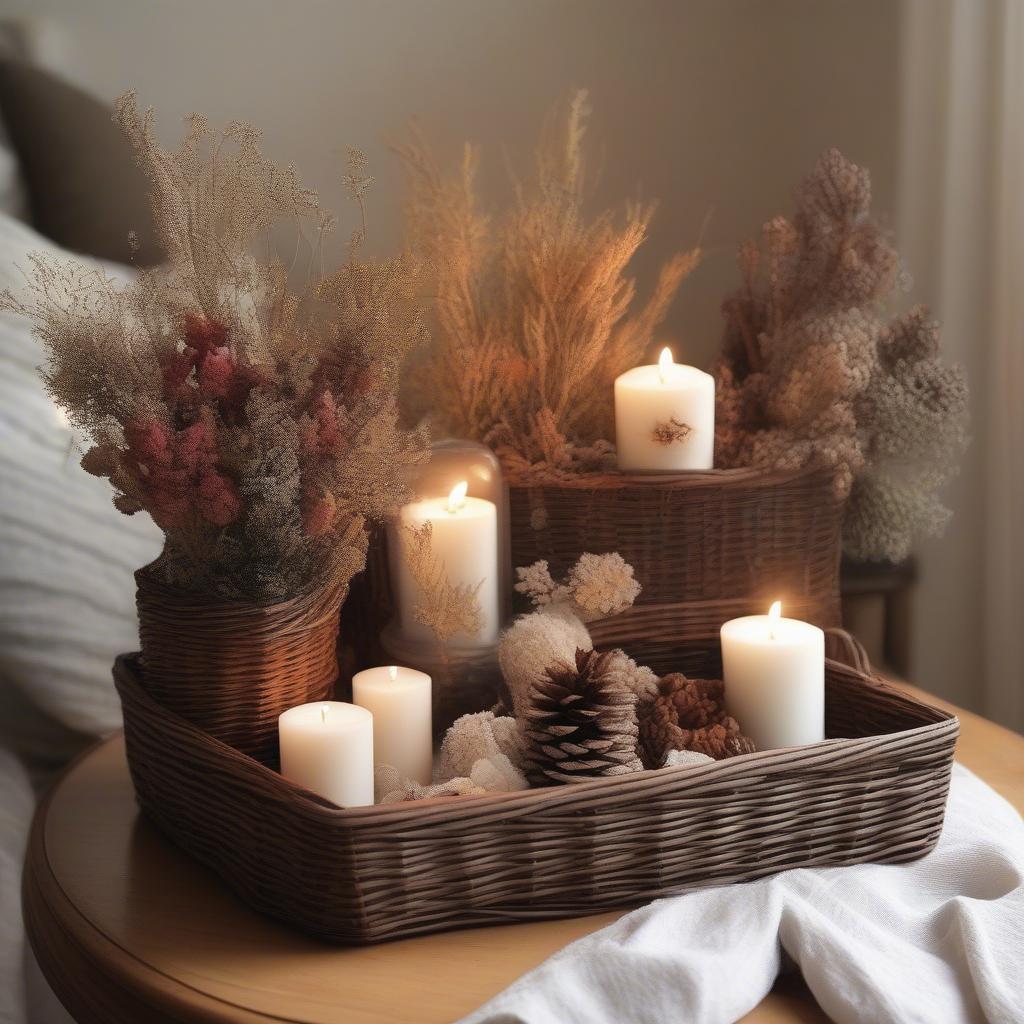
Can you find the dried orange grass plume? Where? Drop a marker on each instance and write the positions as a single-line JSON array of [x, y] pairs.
[[535, 308]]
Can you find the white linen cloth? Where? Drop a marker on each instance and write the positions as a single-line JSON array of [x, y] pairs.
[[67, 595], [67, 607], [937, 940]]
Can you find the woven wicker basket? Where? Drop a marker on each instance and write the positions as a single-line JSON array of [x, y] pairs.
[[706, 546], [231, 668], [875, 791]]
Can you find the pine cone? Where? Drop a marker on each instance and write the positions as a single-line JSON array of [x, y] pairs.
[[580, 722], [689, 714]]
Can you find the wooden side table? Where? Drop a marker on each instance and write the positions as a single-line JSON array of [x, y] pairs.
[[877, 609], [130, 931]]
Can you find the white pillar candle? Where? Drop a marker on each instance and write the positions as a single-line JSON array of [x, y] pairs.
[[665, 417], [327, 748], [774, 672], [464, 539], [399, 700]]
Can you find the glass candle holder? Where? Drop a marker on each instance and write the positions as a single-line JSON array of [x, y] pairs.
[[461, 495]]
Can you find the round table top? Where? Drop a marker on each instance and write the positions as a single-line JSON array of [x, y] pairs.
[[127, 929]]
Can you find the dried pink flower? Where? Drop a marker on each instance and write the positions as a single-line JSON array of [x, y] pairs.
[[257, 426], [318, 513]]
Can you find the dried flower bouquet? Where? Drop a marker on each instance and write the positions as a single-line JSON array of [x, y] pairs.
[[813, 373], [535, 309], [257, 426]]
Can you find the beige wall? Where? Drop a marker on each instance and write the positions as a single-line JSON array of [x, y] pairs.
[[714, 106]]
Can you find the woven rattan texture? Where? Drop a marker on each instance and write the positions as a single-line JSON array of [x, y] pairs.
[[706, 546], [875, 791], [232, 668]]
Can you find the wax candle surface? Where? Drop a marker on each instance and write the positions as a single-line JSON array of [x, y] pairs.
[[774, 671], [327, 748], [665, 417], [399, 700], [464, 537]]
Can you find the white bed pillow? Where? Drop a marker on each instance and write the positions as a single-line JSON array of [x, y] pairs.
[[67, 595], [12, 190], [15, 37]]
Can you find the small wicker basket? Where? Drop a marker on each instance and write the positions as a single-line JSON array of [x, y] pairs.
[[875, 791], [231, 668], [706, 546]]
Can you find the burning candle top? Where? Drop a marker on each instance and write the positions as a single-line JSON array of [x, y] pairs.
[[774, 671], [464, 539], [400, 701], [665, 417], [327, 748]]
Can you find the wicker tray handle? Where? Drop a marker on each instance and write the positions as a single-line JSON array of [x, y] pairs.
[[843, 647]]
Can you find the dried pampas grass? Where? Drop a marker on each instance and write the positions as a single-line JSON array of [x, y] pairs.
[[535, 307]]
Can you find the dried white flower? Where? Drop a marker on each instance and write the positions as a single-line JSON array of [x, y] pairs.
[[389, 787], [638, 678], [597, 585], [534, 642], [497, 774], [685, 758], [538, 584], [476, 737], [602, 585], [494, 774]]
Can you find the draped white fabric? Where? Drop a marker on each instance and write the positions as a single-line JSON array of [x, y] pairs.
[[940, 939], [66, 609], [67, 595]]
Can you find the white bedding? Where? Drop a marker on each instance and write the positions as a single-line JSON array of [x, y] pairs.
[[66, 607]]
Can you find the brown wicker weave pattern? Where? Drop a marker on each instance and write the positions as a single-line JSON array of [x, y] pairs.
[[368, 874], [232, 668], [706, 546]]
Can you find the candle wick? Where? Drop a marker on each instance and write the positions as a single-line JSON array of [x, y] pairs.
[[457, 497], [323, 714], [392, 672], [664, 362]]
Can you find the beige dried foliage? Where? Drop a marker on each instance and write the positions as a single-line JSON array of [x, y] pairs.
[[536, 311], [256, 425], [443, 607], [534, 642], [596, 586], [815, 370]]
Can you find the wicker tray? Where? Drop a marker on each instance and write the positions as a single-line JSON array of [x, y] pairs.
[[876, 791]]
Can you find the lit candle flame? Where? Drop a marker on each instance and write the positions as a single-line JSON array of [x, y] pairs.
[[392, 672], [774, 614], [457, 497], [664, 364]]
